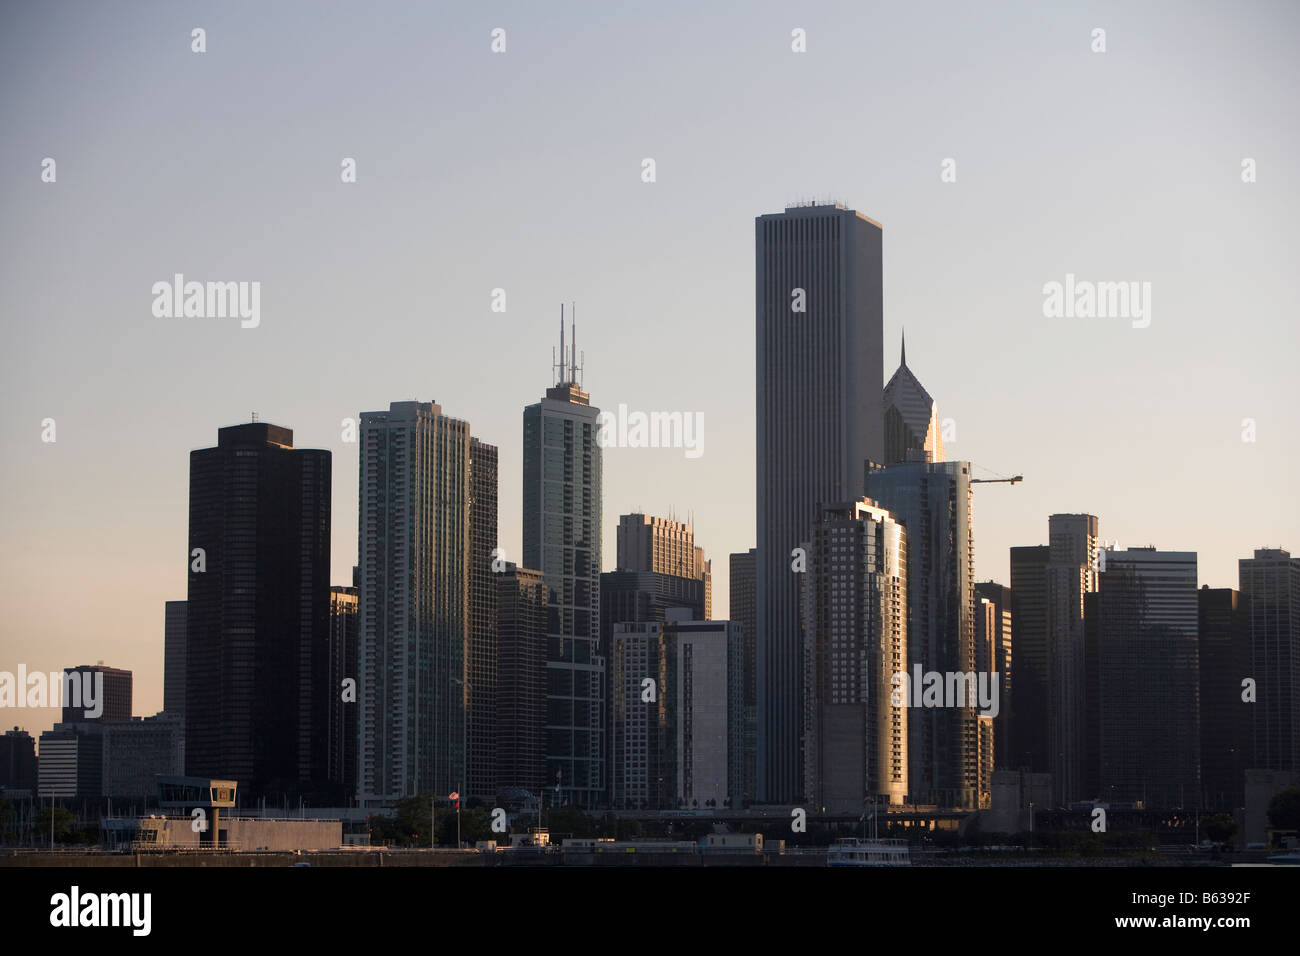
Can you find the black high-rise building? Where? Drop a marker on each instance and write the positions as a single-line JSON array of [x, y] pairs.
[[257, 635], [482, 651], [1227, 742], [1030, 749], [1270, 581]]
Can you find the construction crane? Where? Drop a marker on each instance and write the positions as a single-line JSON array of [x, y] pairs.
[[976, 481]]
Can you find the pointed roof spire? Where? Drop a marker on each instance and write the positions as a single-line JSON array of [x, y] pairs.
[[902, 359]]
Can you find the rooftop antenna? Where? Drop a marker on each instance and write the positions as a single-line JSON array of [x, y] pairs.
[[563, 373], [255, 416]]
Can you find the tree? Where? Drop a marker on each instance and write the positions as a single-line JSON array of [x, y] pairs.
[[1220, 828], [65, 822], [1284, 810]]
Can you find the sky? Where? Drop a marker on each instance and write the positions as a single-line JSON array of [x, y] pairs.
[[522, 170]]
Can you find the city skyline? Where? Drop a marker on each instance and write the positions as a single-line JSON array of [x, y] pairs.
[[121, 385]]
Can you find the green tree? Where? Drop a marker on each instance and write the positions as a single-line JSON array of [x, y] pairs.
[[1220, 828], [65, 822]]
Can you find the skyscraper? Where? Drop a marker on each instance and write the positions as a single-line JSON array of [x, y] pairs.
[[341, 767], [855, 638], [819, 364], [521, 679], [483, 650], [1148, 678], [1071, 573], [256, 700], [742, 586], [174, 659], [932, 500], [1227, 720], [562, 515], [1270, 582], [416, 545], [674, 739], [911, 418], [994, 631], [1029, 739]]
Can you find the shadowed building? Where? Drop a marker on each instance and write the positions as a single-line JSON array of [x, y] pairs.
[[562, 515], [994, 633], [819, 364], [855, 636], [257, 630], [1029, 741], [1270, 582], [742, 586], [1227, 739], [521, 679], [1149, 678]]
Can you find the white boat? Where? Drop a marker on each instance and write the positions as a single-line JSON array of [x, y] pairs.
[[856, 851]]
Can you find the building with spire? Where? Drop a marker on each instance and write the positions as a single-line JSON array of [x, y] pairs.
[[911, 418], [562, 520]]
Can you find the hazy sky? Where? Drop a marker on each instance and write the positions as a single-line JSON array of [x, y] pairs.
[[522, 171]]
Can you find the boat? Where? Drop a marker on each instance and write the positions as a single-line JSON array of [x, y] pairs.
[[856, 851]]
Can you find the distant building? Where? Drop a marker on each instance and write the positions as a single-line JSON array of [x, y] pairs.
[[855, 636], [666, 546], [420, 599], [677, 730], [1071, 574], [819, 363], [483, 652], [257, 615], [17, 760], [1270, 583], [933, 502], [562, 528], [116, 703], [174, 629], [138, 750], [341, 761], [1149, 678], [744, 611], [1227, 720], [912, 431], [71, 761], [994, 642], [1030, 749], [521, 679]]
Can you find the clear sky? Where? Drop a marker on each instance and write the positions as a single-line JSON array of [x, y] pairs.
[[522, 171]]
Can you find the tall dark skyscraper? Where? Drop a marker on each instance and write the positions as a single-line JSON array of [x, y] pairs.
[[819, 367], [932, 500], [1270, 582], [1071, 574], [483, 650], [1227, 725], [1149, 679], [257, 667], [174, 659], [562, 514], [743, 589], [342, 759], [1029, 740]]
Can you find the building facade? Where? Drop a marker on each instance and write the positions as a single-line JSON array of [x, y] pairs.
[[562, 539], [819, 364], [257, 614], [855, 635], [1270, 583]]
